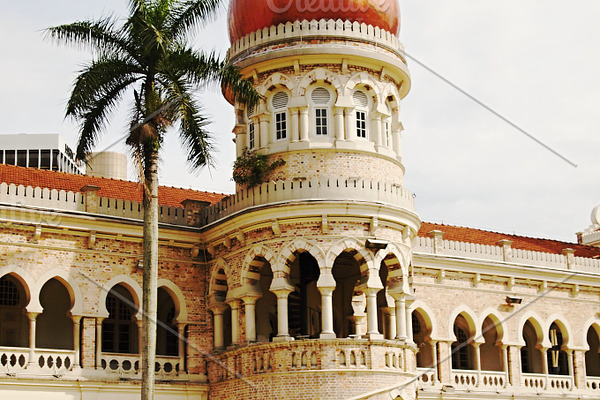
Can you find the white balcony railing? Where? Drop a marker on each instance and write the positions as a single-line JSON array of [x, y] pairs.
[[593, 383], [129, 364], [14, 359]]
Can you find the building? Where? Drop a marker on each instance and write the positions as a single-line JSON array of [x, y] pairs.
[[322, 283], [43, 151]]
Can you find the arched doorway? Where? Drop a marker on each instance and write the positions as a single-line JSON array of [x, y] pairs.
[[54, 328], [592, 356], [491, 350], [421, 328], [119, 330], [167, 343], [266, 305], [531, 356], [462, 349], [346, 273], [14, 325], [304, 303], [558, 363]]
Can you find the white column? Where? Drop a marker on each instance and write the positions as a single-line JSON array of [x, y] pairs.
[[505, 363], [32, 317], [338, 120], [544, 351], [349, 128], [235, 321], [283, 332], [434, 354], [218, 327], [295, 134], [99, 342], [401, 318], [396, 138], [376, 129], [372, 329], [264, 131], [304, 124], [392, 325], [477, 361], [76, 338], [249, 305], [181, 345], [570, 364], [327, 331], [409, 331]]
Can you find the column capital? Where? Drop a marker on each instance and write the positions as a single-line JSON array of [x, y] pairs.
[[326, 281], [217, 308], [233, 303], [32, 315]]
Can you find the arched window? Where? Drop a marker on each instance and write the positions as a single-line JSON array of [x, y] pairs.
[[557, 357], [321, 99], [119, 330], [14, 326], [361, 101], [531, 356], [251, 128], [592, 357], [462, 349], [387, 126], [167, 343], [279, 101]]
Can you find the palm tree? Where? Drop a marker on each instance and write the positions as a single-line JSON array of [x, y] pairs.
[[149, 56]]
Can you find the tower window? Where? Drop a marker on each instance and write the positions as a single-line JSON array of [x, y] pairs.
[[251, 141], [387, 126], [321, 121], [361, 102], [279, 102], [321, 98]]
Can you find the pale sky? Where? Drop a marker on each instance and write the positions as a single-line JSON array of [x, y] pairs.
[[533, 61]]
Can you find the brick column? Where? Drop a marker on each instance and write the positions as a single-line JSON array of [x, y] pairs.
[[579, 368], [88, 342], [192, 211], [514, 365], [445, 362], [90, 194]]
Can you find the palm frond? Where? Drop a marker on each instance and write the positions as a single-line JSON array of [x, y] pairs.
[[100, 77], [101, 36], [191, 14]]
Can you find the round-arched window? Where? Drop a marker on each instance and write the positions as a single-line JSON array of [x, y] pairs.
[[361, 102], [279, 101]]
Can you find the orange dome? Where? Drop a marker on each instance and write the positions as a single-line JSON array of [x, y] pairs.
[[247, 16]]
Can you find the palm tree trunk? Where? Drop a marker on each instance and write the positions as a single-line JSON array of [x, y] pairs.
[[150, 275]]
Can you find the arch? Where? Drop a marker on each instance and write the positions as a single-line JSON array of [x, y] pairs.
[[54, 327], [276, 79], [358, 251], [178, 297], [363, 79], [593, 323], [468, 315], [396, 262], [565, 328], [492, 314], [131, 285], [69, 283], [287, 256], [32, 302], [535, 319], [318, 75], [247, 276], [218, 284], [428, 316]]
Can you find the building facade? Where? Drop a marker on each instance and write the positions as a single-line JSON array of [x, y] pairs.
[[321, 283]]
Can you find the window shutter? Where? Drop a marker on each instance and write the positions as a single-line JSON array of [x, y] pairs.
[[320, 96], [280, 100], [360, 99]]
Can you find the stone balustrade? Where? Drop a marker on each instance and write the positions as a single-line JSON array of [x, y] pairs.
[[322, 30], [129, 365], [312, 355], [316, 189], [54, 361], [593, 383]]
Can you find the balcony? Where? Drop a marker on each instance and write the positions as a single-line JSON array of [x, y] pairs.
[[45, 361]]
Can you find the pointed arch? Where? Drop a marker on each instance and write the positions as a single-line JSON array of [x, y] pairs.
[[593, 323], [363, 80], [287, 255], [276, 79], [539, 328], [492, 314], [565, 328], [469, 316], [178, 297], [395, 260], [68, 282], [428, 316], [26, 280], [357, 250], [319, 75], [252, 263], [219, 280], [132, 286]]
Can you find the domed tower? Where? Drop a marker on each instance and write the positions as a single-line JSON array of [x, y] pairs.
[[310, 271]]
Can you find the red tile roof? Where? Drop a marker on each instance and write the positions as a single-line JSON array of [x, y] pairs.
[[472, 235], [111, 188]]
